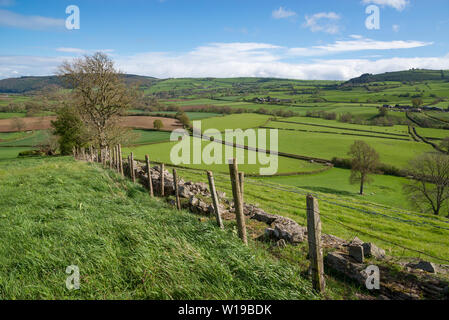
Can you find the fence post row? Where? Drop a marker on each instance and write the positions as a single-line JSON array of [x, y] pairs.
[[175, 184], [238, 205], [213, 193], [314, 240]]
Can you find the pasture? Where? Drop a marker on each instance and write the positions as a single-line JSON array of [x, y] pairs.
[[161, 153]]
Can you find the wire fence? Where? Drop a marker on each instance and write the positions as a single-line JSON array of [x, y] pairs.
[[346, 205], [342, 203]]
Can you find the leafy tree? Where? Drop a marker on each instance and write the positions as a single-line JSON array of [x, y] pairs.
[[19, 124], [417, 102], [364, 161], [383, 112], [429, 188], [183, 118], [70, 129], [158, 124]]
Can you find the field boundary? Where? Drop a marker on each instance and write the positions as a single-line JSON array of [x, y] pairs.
[[342, 133], [341, 128]]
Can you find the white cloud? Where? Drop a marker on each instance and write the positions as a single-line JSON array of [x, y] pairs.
[[14, 66], [82, 51], [323, 21], [71, 50], [396, 28], [358, 44], [397, 4], [283, 13], [262, 60], [12, 19], [231, 60]]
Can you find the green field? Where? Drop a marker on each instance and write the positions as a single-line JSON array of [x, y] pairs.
[[385, 190], [11, 153], [150, 136], [322, 143], [9, 115], [27, 139], [161, 153], [235, 121]]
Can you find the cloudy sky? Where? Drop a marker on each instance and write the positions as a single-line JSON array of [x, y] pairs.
[[300, 39]]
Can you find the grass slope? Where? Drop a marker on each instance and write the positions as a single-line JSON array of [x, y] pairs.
[[56, 212]]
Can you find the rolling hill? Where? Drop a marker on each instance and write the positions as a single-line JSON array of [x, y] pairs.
[[409, 75], [27, 84]]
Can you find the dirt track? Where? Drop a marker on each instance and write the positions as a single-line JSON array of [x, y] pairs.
[[43, 123]]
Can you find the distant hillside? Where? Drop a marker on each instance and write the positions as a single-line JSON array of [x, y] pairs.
[[409, 75], [27, 84]]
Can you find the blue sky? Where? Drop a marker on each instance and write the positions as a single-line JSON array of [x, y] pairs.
[[319, 39]]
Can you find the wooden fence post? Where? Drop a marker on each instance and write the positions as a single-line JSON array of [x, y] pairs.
[[74, 152], [113, 158], [238, 205], [91, 153], [110, 157], [133, 172], [213, 193], [149, 179], [175, 184], [162, 180], [120, 159], [116, 161], [242, 183], [314, 239]]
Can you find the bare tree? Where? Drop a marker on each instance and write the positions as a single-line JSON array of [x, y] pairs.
[[99, 95], [364, 161], [429, 187], [18, 124]]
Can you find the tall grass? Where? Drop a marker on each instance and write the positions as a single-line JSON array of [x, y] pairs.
[[57, 212]]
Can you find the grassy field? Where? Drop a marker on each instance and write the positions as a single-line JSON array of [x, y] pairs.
[[27, 139], [161, 153], [235, 121], [11, 152], [150, 136], [57, 213], [9, 115], [385, 190], [324, 144]]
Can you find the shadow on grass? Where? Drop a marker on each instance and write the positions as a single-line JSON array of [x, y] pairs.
[[328, 190]]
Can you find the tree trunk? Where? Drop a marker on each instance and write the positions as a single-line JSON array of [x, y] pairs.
[[362, 180]]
